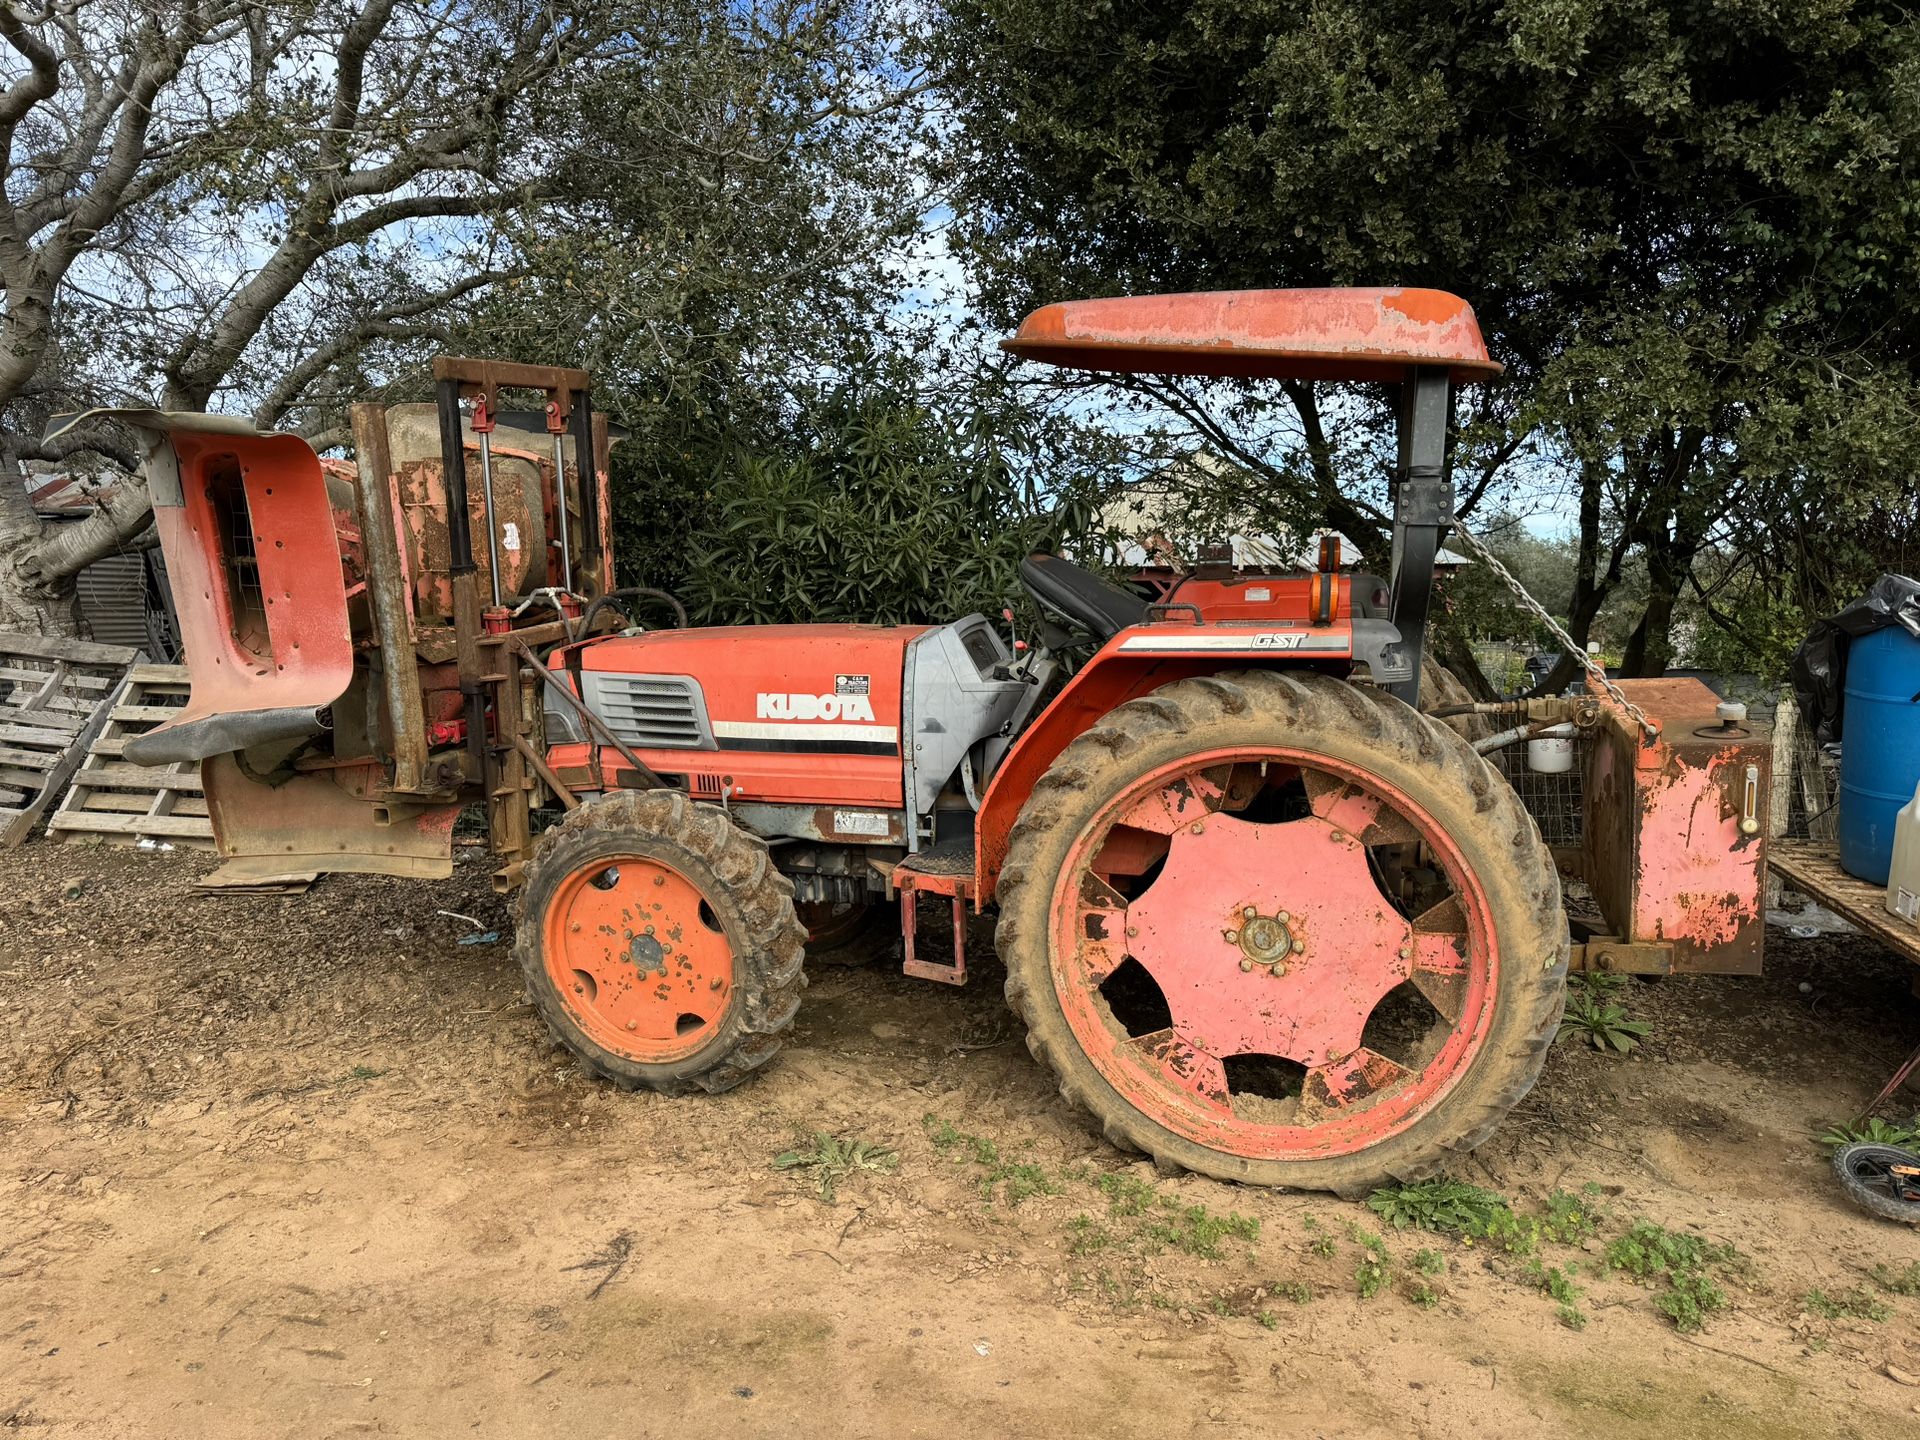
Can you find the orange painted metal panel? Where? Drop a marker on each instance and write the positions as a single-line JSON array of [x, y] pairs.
[[1333, 334], [256, 568]]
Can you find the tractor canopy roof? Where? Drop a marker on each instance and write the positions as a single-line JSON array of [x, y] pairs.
[[1350, 334]]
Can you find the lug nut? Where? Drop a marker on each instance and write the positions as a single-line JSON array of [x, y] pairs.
[[1233, 936], [1279, 969], [1299, 947], [1247, 912], [1246, 966], [1283, 917]]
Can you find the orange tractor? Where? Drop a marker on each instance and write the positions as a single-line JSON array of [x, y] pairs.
[[1263, 916]]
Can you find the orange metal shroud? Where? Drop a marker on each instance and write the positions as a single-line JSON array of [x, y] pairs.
[[269, 631], [802, 714]]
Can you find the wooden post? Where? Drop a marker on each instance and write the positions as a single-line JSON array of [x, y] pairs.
[[1786, 725]]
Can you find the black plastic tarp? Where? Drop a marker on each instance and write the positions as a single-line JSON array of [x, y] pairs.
[[1820, 664]]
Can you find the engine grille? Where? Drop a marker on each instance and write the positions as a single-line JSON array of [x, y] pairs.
[[651, 712]]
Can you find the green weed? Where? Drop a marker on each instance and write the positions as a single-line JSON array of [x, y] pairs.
[[1126, 1194], [1370, 1276], [1596, 984], [1429, 1262], [1898, 1282], [1875, 1132], [1852, 1304], [1689, 1299], [1449, 1207], [1602, 1025], [1649, 1252], [831, 1159], [1011, 1181], [1569, 1219], [1196, 1230], [1089, 1236]]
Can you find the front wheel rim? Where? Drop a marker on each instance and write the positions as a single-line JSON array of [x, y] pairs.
[[1244, 886], [640, 961]]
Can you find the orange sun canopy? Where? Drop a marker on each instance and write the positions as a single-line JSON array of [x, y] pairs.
[[1346, 334]]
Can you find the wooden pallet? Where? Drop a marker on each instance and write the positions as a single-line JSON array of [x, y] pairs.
[[120, 803], [54, 698], [1813, 868]]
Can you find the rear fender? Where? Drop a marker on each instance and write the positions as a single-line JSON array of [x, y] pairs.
[[1136, 661]]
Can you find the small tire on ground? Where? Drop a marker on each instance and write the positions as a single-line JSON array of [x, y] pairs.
[[1423, 758], [1859, 1168], [735, 876]]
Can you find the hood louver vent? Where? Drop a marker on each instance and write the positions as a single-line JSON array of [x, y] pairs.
[[651, 712]]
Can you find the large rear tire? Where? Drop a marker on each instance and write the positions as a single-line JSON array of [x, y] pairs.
[[1284, 930], [659, 943]]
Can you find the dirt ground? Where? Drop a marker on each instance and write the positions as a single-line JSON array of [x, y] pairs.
[[307, 1166]]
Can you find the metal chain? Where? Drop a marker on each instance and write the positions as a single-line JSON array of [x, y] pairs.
[[1539, 612]]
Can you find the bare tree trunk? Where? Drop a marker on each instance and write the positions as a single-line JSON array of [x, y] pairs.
[[1650, 648], [40, 561]]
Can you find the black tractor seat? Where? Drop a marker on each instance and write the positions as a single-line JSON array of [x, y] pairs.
[[1080, 597]]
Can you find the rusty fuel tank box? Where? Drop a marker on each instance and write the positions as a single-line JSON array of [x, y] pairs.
[[1675, 837]]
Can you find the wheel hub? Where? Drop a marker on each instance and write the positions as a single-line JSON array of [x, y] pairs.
[[1265, 940], [647, 953]]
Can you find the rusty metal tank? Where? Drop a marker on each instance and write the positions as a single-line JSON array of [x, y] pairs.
[[525, 535]]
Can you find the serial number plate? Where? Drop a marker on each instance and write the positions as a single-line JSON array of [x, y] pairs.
[[860, 822]]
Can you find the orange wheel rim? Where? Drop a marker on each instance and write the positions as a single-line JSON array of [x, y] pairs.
[[638, 958]]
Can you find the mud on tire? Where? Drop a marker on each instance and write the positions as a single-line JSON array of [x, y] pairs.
[[1367, 731], [751, 902]]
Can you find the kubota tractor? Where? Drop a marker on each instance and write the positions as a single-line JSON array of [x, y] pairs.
[[1262, 916]]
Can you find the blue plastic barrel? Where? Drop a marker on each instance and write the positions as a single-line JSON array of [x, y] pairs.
[[1879, 748]]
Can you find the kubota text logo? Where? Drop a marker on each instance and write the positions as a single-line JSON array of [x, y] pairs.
[[812, 707]]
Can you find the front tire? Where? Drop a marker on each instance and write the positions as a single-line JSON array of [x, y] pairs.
[[1196, 918], [659, 943]]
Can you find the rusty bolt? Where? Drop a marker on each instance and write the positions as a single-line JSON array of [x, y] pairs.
[[1299, 947], [1132, 931], [1199, 826], [1406, 952], [714, 984], [1247, 912], [1339, 837], [659, 879], [576, 927], [1283, 917], [1278, 969], [1246, 966], [1233, 936], [633, 1025]]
